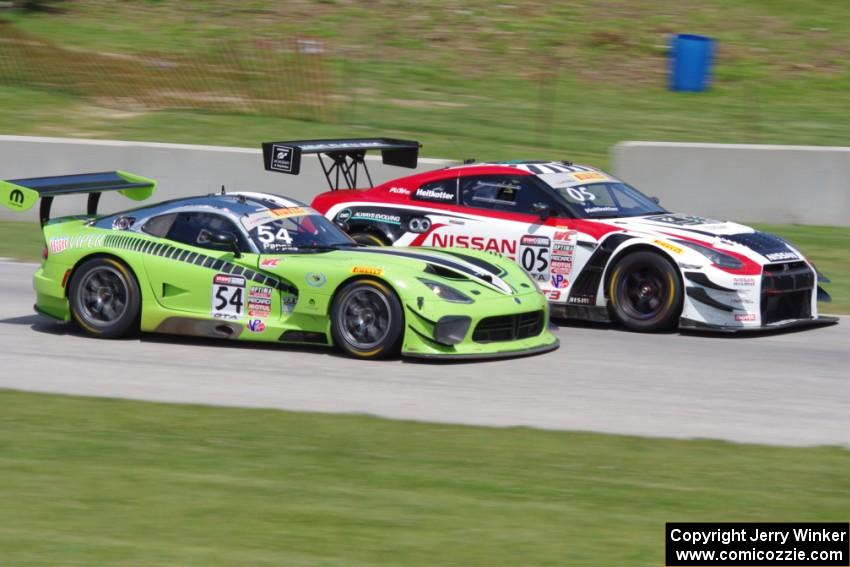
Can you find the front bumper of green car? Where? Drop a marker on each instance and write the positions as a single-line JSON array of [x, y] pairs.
[[507, 326]]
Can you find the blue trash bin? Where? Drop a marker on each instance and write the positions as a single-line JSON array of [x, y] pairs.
[[691, 58]]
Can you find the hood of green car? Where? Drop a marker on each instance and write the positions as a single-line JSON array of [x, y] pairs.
[[495, 274]]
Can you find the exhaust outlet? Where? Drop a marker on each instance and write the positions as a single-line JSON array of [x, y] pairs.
[[224, 330]]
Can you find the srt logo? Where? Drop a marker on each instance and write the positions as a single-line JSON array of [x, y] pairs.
[[16, 197]]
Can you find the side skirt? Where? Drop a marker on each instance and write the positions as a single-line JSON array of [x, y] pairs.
[[198, 328], [692, 325], [591, 313]]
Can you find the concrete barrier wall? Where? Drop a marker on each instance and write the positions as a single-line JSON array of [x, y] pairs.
[[181, 170], [748, 183]]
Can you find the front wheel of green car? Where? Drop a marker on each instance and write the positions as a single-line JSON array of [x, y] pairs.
[[367, 320], [105, 299]]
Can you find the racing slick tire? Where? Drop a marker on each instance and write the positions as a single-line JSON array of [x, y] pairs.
[[367, 320], [104, 298], [368, 239], [645, 293]]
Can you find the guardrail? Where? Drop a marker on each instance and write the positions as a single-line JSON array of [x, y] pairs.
[[748, 183], [180, 170]]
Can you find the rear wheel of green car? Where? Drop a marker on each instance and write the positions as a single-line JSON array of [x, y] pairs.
[[105, 299], [367, 320]]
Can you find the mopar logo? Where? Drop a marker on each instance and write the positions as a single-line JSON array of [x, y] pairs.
[[16, 197]]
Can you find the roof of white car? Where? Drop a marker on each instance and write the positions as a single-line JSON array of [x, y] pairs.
[[555, 173]]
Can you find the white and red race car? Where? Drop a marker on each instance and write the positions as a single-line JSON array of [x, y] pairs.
[[596, 247]]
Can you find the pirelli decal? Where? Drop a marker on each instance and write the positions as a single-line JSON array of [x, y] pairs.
[[142, 246]]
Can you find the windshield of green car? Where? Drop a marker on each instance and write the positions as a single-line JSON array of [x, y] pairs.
[[607, 199], [292, 230]]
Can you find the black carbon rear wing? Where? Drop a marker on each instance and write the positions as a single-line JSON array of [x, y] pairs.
[[21, 194], [346, 157]]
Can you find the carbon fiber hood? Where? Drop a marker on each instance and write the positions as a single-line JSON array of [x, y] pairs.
[[732, 236]]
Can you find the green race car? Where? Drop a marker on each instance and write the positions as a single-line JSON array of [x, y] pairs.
[[259, 267]]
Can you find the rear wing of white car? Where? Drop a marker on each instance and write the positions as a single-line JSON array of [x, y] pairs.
[[346, 157]]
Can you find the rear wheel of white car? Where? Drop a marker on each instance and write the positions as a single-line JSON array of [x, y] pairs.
[[645, 293], [367, 320], [104, 298], [369, 239]]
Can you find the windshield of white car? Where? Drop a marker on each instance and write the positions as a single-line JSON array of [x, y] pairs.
[[300, 233], [607, 199]]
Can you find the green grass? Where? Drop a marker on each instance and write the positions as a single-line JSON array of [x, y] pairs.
[[825, 246], [104, 482], [513, 80]]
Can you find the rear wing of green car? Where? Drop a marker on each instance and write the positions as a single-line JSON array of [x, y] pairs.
[[21, 194]]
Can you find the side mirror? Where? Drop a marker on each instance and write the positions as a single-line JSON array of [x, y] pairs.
[[655, 200], [542, 210], [225, 240]]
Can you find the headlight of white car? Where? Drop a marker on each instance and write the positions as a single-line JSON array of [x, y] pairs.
[[717, 258]]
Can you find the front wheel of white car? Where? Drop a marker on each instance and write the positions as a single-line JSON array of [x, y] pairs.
[[645, 293]]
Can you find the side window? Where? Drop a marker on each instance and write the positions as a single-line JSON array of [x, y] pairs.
[[195, 229], [159, 226], [442, 191], [509, 193]]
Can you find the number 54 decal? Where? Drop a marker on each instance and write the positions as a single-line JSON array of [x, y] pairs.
[[267, 235], [228, 297]]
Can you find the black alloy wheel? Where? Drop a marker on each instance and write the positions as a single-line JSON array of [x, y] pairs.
[[368, 239], [104, 298], [645, 292], [367, 320]]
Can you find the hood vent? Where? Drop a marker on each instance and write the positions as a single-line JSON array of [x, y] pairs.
[[443, 272], [478, 262], [481, 277], [760, 242]]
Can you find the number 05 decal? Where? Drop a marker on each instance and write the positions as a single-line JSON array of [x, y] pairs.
[[228, 297], [581, 194], [535, 261], [534, 256]]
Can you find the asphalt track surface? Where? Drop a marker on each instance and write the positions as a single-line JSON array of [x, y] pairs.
[[790, 388]]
